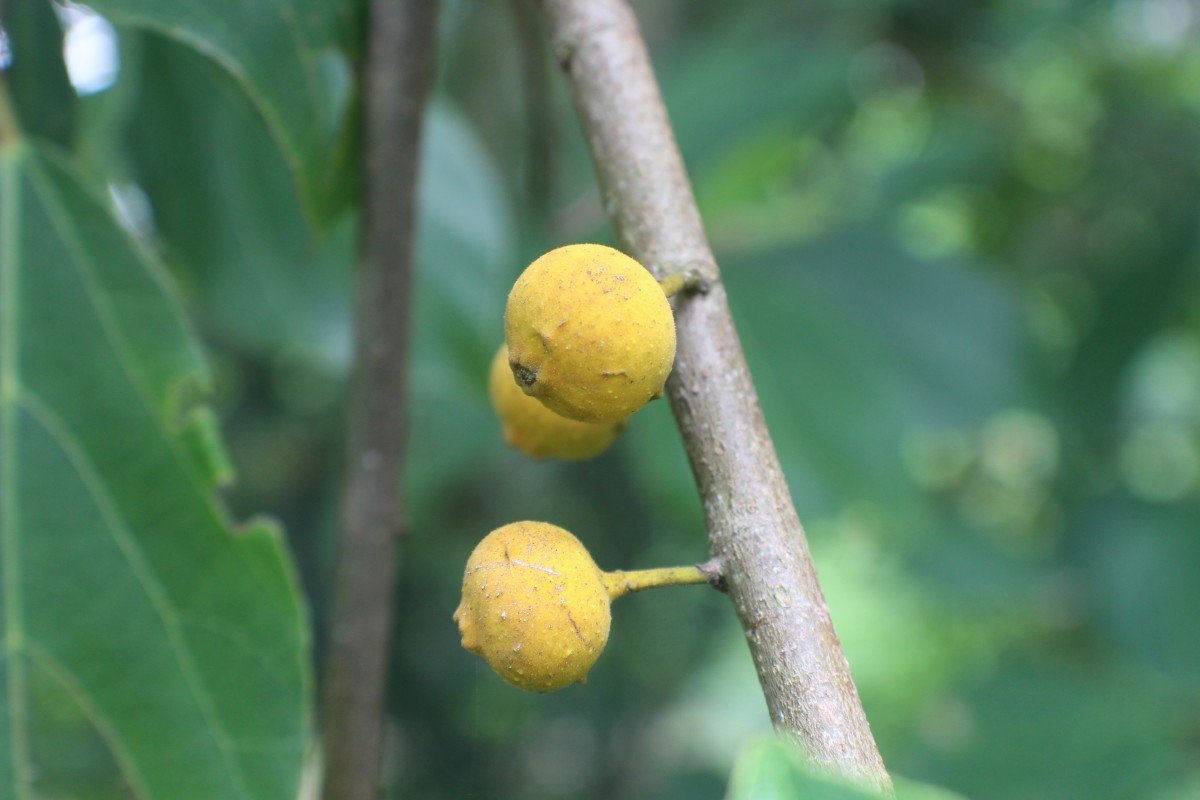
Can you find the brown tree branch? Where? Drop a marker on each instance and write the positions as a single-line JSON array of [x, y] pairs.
[[752, 523], [399, 64]]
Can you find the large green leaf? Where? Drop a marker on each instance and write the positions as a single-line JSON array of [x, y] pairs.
[[291, 57], [124, 587], [228, 215]]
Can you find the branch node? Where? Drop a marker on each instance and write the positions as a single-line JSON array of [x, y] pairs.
[[715, 573], [686, 283]]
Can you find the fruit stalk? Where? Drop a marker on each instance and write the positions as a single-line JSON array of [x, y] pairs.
[[752, 522], [620, 582]]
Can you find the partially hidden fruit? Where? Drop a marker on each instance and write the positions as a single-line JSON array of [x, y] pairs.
[[590, 333], [534, 606], [536, 430]]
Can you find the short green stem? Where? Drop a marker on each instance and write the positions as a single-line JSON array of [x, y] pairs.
[[686, 282], [620, 583]]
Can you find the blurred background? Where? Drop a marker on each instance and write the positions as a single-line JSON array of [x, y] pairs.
[[960, 242]]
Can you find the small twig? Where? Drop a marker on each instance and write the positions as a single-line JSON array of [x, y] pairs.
[[399, 64], [752, 523]]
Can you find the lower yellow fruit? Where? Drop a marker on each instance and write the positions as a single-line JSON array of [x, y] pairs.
[[536, 430], [535, 606], [590, 333]]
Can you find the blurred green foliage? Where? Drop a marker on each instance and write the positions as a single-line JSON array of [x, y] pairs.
[[960, 241]]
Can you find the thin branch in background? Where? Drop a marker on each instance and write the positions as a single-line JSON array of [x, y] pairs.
[[752, 522], [398, 70], [10, 132]]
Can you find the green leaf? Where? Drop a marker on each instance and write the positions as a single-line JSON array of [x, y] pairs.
[[912, 790], [292, 59], [794, 82], [125, 590], [229, 214], [773, 768], [878, 345], [37, 77], [1048, 727], [465, 267], [1141, 560]]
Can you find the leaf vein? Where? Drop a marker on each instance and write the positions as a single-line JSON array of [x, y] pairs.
[[141, 569], [10, 199], [71, 685]]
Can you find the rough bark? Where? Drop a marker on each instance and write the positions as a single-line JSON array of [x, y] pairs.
[[399, 63], [752, 523]]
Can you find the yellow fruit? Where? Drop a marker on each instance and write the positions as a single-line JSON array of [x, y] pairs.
[[590, 333], [534, 606], [536, 430]]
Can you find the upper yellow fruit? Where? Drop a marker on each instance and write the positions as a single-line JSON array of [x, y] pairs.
[[590, 333], [534, 606], [538, 431]]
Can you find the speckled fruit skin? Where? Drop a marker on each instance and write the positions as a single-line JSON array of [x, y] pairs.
[[590, 333], [534, 606], [536, 430]]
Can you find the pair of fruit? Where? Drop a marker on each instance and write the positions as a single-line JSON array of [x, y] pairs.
[[589, 340]]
